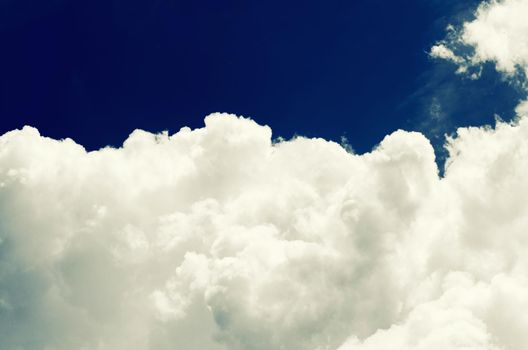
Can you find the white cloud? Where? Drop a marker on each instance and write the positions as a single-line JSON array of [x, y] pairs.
[[500, 34], [497, 34], [442, 51], [215, 238]]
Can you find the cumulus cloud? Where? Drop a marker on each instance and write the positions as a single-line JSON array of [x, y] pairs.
[[219, 238], [497, 34]]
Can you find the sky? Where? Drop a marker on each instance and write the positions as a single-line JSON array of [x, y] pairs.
[[96, 70], [240, 176]]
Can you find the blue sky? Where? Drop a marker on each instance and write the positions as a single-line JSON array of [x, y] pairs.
[[96, 70]]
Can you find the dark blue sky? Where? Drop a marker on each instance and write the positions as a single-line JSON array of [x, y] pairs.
[[95, 70]]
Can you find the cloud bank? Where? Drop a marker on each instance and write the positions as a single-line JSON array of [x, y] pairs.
[[218, 238]]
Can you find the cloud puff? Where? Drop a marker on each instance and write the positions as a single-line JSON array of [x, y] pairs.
[[218, 238], [498, 34]]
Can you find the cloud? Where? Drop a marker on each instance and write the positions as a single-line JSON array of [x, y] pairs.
[[497, 34], [442, 51], [218, 238]]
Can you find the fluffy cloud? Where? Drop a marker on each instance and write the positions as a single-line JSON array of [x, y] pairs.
[[498, 34], [218, 238]]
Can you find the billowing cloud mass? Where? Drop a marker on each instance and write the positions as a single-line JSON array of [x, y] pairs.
[[497, 34], [218, 238]]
